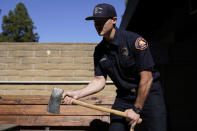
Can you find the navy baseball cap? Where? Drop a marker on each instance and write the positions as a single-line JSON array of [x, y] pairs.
[[103, 11]]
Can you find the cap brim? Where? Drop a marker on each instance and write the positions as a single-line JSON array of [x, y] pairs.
[[90, 18], [93, 17]]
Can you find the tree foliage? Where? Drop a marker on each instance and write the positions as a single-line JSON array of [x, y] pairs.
[[18, 26]]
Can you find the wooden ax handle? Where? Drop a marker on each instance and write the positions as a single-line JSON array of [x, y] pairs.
[[116, 112]]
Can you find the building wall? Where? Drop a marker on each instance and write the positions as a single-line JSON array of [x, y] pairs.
[[45, 62]]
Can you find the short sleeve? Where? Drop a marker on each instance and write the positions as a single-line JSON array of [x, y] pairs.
[[98, 71], [142, 54]]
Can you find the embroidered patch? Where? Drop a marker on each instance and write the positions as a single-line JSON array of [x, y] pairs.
[[141, 43]]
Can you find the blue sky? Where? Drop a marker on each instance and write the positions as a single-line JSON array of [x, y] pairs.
[[62, 20]]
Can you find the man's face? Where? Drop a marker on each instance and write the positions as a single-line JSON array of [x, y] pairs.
[[104, 25]]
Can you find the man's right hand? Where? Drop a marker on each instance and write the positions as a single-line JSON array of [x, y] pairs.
[[68, 96]]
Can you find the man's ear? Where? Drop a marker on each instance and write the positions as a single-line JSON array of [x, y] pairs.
[[114, 20]]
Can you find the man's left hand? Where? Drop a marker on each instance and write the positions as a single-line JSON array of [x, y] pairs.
[[132, 117]]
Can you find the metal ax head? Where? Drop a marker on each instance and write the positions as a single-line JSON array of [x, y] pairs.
[[55, 101]]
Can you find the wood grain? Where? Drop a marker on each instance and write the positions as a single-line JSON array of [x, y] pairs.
[[65, 110], [51, 120], [44, 99]]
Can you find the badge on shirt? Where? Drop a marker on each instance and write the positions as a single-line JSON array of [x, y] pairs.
[[124, 51], [141, 43]]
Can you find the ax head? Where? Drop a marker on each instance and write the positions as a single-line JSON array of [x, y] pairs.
[[55, 101]]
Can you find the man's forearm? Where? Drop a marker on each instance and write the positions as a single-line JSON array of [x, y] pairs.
[[143, 90], [96, 85]]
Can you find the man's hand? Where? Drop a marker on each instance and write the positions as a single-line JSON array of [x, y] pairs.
[[132, 117], [67, 97]]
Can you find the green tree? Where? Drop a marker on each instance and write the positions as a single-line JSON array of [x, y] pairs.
[[18, 26]]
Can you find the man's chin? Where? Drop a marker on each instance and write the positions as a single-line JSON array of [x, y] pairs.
[[100, 33]]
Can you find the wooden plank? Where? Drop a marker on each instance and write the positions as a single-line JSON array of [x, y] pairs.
[[24, 99], [65, 110], [51, 120], [44, 99]]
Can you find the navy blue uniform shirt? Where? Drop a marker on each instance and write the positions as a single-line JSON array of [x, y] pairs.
[[123, 58]]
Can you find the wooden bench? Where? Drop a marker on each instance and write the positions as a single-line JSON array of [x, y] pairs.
[[30, 111], [7, 127]]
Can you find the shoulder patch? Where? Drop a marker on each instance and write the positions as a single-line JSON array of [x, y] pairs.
[[141, 43]]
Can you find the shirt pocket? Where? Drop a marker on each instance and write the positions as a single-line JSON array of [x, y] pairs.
[[127, 62], [128, 65]]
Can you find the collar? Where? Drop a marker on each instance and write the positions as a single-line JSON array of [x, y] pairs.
[[115, 40]]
